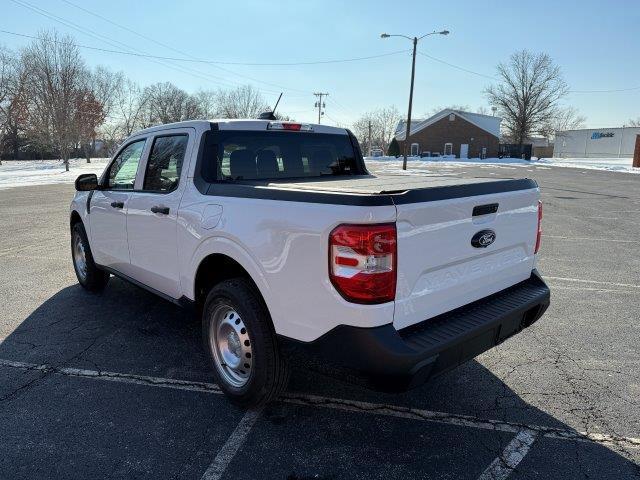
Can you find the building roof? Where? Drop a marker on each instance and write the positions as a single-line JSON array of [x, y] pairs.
[[485, 122], [402, 125]]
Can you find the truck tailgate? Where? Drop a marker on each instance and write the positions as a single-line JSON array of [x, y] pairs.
[[438, 267]]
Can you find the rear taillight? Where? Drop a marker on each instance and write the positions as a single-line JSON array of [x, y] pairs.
[[362, 262], [539, 235]]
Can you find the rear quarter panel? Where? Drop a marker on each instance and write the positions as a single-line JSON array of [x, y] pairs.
[[284, 247]]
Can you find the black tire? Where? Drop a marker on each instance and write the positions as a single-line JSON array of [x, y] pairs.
[[94, 279], [268, 374]]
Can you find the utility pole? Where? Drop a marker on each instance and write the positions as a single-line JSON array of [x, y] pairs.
[[369, 137], [413, 40], [413, 74], [319, 103]]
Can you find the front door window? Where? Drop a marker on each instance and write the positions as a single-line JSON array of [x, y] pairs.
[[122, 172]]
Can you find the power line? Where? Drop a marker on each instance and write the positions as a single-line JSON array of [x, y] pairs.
[[216, 62], [457, 66], [104, 39], [337, 122], [346, 111], [614, 90], [132, 51], [164, 45]]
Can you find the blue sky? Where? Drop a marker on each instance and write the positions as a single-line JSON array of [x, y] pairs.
[[595, 42]]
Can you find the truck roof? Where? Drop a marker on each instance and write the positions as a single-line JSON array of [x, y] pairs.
[[239, 124]]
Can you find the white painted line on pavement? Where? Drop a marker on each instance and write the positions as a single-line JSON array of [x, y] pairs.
[[510, 457], [340, 404], [609, 240], [582, 217], [456, 419], [596, 290], [595, 282], [117, 377], [231, 446]]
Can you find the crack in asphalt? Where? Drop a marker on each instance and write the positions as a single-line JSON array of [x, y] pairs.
[[462, 420], [344, 404]]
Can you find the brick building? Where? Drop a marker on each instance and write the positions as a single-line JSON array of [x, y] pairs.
[[453, 132]]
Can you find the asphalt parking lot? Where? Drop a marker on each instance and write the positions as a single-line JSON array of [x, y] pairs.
[[116, 385]]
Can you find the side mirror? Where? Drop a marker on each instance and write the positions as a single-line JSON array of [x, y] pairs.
[[87, 182]]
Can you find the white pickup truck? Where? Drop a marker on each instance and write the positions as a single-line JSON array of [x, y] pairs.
[[279, 237]]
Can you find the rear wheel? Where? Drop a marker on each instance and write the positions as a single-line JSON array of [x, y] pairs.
[[241, 344], [88, 273]]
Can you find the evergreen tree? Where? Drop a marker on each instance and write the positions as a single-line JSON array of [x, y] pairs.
[[394, 148]]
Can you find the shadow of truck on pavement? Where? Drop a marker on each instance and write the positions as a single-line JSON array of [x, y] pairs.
[[56, 426]]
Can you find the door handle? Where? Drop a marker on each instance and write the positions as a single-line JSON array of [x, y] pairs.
[[162, 210], [117, 204]]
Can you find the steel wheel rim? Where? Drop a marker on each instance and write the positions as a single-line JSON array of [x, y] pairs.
[[231, 346], [79, 257]]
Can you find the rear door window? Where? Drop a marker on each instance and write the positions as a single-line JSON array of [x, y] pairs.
[[263, 155], [165, 163]]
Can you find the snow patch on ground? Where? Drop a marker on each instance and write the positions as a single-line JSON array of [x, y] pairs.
[[419, 165], [21, 173], [609, 164]]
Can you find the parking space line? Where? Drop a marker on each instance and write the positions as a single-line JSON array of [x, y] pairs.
[[343, 404], [117, 377], [510, 457], [594, 282], [596, 290], [458, 419], [231, 446], [608, 240]]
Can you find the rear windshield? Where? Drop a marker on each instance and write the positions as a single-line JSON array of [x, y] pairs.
[[262, 155]]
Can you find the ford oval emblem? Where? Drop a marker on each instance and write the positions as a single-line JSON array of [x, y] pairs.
[[483, 238]]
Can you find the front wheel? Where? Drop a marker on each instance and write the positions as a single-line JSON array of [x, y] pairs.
[[88, 273], [241, 344]]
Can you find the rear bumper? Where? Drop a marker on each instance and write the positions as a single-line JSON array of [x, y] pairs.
[[396, 360]]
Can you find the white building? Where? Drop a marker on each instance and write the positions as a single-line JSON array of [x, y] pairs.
[[596, 142]]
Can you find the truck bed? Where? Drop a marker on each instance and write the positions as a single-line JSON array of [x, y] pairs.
[[405, 188]]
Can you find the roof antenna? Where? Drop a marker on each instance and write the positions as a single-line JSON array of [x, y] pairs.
[[270, 115]]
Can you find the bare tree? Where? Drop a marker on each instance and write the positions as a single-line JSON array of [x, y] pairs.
[[15, 112], [482, 110], [387, 120], [166, 103], [463, 108], [128, 108], [242, 102], [364, 131], [564, 119], [383, 123], [56, 83], [112, 135], [207, 103], [634, 122], [90, 114], [98, 101], [6, 77], [527, 97]]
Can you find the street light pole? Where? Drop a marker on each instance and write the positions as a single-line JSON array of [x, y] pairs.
[[413, 74]]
